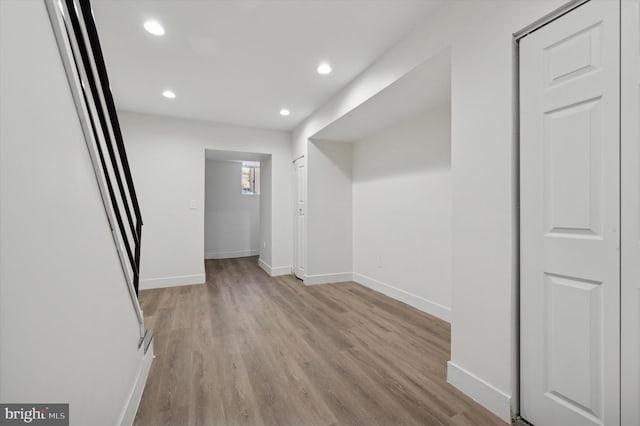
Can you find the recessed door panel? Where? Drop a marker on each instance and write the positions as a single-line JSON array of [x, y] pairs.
[[573, 173], [574, 56], [574, 368]]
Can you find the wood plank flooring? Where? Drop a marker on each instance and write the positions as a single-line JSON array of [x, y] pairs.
[[248, 349]]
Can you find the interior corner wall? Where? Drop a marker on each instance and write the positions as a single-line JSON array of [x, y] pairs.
[[167, 157], [329, 212], [68, 327], [402, 223], [484, 299], [266, 209], [232, 219]]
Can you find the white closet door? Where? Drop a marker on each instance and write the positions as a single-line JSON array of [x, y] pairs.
[[299, 250], [630, 119], [570, 214]]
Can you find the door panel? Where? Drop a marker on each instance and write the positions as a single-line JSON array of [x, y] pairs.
[[574, 56], [570, 195], [572, 175], [630, 119], [574, 343]]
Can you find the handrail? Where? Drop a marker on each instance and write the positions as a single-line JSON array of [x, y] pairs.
[[106, 88], [80, 21], [80, 49], [87, 42]]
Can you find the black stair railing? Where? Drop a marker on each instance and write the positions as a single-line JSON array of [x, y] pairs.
[[96, 91]]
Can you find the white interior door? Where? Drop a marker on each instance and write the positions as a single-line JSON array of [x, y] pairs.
[[300, 216], [570, 217], [630, 202]]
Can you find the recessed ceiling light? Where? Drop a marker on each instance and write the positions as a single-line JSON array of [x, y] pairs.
[[285, 112], [154, 27], [324, 68], [169, 94]]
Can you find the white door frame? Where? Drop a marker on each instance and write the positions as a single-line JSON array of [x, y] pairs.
[[630, 211]]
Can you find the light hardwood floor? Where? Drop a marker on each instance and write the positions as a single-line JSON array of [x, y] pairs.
[[247, 349]]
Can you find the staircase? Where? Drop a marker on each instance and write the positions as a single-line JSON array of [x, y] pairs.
[[77, 39]]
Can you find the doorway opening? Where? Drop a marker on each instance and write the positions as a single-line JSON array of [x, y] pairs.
[[236, 220]]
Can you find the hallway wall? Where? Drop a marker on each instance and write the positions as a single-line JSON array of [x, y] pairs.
[[232, 219], [329, 214], [402, 224], [68, 328], [167, 157]]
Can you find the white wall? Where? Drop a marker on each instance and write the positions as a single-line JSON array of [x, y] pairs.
[[266, 223], [167, 157], [402, 225], [68, 329], [329, 217], [479, 34], [232, 219]]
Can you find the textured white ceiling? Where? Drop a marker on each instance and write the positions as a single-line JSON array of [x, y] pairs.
[[240, 62]]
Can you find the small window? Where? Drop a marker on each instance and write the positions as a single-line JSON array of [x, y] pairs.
[[250, 179]]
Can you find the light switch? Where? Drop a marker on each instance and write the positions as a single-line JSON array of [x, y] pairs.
[[192, 204]]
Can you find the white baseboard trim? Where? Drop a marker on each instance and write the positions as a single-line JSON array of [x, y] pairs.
[[172, 281], [487, 395], [327, 278], [231, 254], [274, 271], [432, 308], [128, 414]]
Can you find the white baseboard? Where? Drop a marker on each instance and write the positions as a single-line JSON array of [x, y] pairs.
[[328, 278], [487, 395], [432, 308], [274, 271], [231, 254], [128, 414], [172, 281]]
